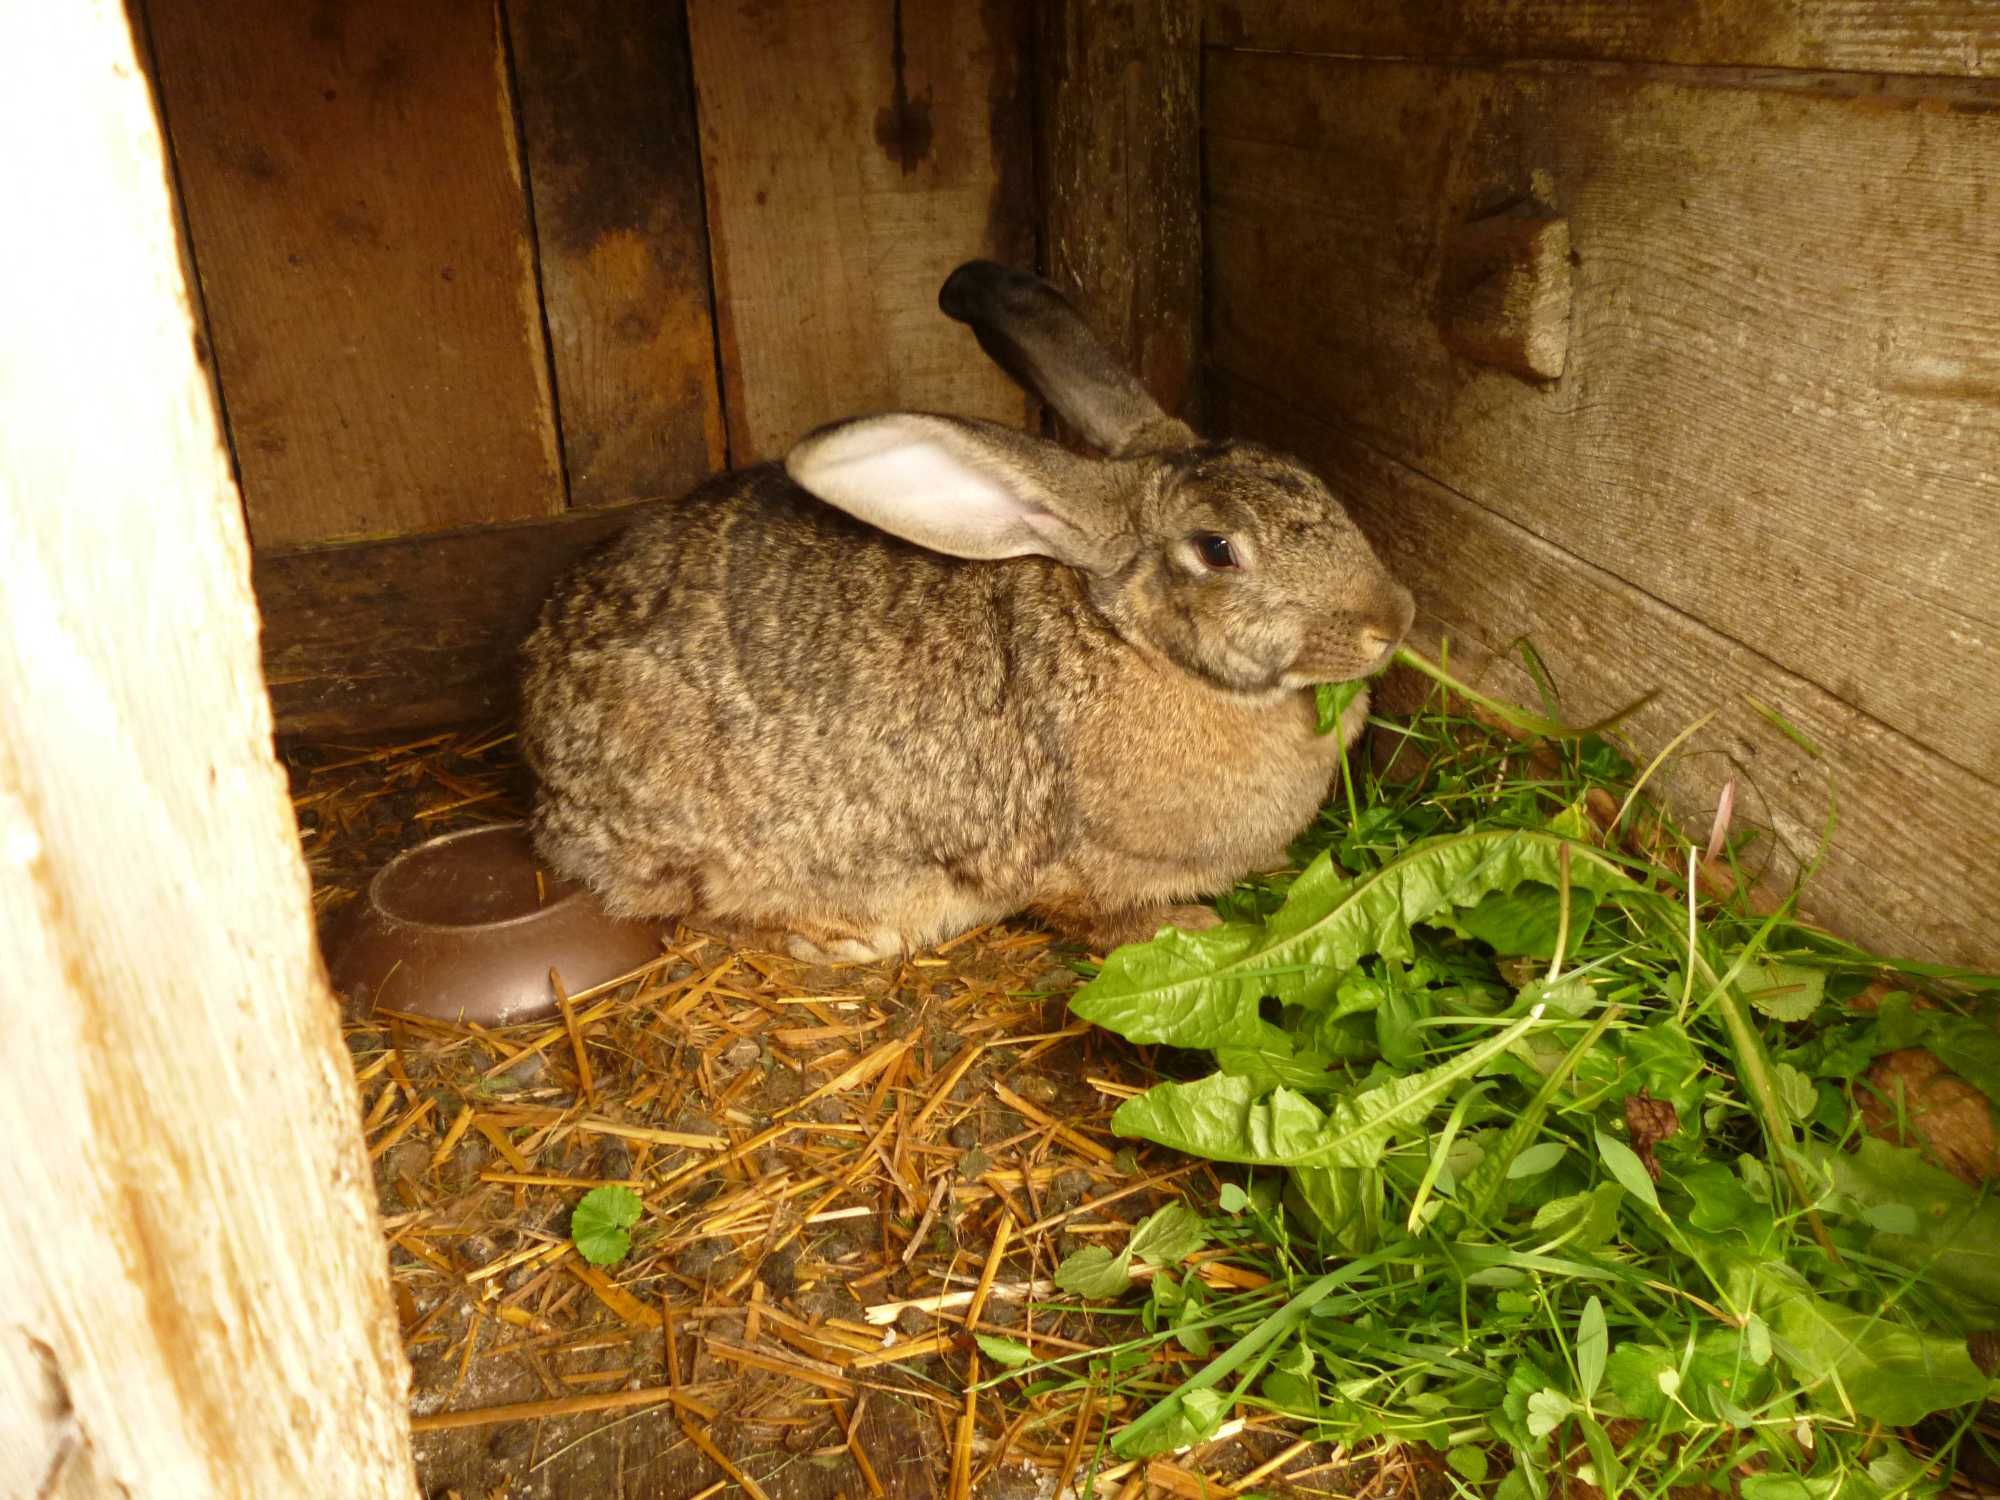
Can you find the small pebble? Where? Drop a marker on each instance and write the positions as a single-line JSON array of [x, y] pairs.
[[1067, 1190], [1037, 1088], [512, 1443], [703, 1256], [1003, 1311], [525, 1074], [779, 1273]]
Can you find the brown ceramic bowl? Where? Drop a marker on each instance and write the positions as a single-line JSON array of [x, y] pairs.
[[460, 928]]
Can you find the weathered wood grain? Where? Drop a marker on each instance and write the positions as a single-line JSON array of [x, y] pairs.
[[1948, 37], [1911, 868], [1119, 100], [853, 156], [1781, 408], [197, 1301], [607, 118], [416, 632], [360, 229]]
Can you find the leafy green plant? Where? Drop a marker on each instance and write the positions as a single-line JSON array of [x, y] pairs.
[[601, 1224], [1549, 1172]]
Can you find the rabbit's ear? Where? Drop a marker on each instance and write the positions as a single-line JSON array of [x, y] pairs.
[[967, 489], [1038, 338]]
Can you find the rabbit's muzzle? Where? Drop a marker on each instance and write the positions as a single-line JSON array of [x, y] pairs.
[[1355, 643]]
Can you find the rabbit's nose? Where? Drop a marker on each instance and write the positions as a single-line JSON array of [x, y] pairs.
[[1385, 632]]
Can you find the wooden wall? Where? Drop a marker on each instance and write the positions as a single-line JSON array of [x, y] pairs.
[[191, 1257], [1766, 479], [476, 274]]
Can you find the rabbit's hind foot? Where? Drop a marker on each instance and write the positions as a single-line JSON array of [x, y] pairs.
[[1105, 930], [827, 949]]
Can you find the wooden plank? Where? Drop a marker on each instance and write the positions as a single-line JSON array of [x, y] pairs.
[[607, 115], [416, 632], [853, 156], [360, 228], [1911, 868], [1120, 98], [1946, 37], [1774, 415], [197, 1301]]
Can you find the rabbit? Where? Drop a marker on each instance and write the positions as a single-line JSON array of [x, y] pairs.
[[932, 672]]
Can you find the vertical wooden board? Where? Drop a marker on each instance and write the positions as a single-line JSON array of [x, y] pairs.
[[854, 154], [1910, 869], [607, 116], [1944, 37], [191, 1261], [360, 228], [1781, 408], [1120, 97]]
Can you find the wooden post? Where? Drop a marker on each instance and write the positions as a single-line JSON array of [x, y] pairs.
[[193, 1298], [1120, 105]]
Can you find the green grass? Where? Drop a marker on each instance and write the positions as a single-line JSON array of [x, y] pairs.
[[1441, 1053]]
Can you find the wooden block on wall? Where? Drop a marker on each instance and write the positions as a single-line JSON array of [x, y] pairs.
[[360, 229], [1503, 294], [607, 115], [854, 154], [1780, 411]]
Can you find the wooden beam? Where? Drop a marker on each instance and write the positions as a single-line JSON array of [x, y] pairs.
[[1941, 37], [1120, 92], [196, 1295], [1911, 868], [412, 633]]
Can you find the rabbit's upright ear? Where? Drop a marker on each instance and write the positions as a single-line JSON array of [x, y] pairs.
[[1038, 338], [968, 489]]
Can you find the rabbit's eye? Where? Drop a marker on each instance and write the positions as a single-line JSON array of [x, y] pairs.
[[1216, 551]]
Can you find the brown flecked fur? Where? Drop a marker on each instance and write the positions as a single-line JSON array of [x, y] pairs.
[[761, 712]]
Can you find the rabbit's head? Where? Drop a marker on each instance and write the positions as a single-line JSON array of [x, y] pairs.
[[1233, 562]]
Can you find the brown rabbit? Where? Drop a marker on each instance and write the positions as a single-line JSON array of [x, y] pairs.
[[933, 672]]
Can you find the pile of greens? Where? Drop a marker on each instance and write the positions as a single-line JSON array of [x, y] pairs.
[[1551, 1174]]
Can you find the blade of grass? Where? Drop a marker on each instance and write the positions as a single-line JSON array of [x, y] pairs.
[[1508, 713], [1784, 726], [1275, 1326], [1489, 1178]]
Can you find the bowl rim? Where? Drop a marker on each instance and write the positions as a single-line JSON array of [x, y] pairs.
[[377, 909]]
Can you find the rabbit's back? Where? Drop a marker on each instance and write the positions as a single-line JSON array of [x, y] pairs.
[[756, 696]]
